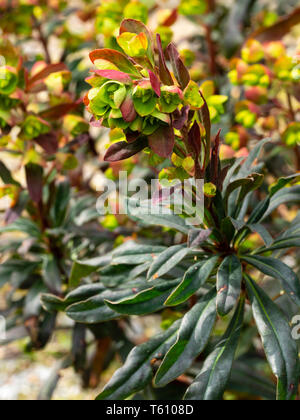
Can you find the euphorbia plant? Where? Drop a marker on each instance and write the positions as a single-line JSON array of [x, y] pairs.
[[206, 276], [210, 274], [135, 91]]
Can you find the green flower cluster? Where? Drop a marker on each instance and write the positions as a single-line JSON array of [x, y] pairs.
[[127, 95], [133, 104]]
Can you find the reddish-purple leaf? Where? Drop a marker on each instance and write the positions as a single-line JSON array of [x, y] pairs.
[[127, 108], [277, 31], [215, 161], [123, 150], [171, 19], [162, 141], [181, 118], [34, 178], [48, 142], [117, 58], [205, 117], [181, 72], [41, 75], [195, 139], [59, 111], [155, 83], [132, 136], [164, 73], [119, 76]]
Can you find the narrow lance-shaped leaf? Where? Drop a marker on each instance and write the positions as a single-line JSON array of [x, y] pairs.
[[275, 268], [284, 243], [160, 216], [94, 310], [137, 370], [281, 349], [134, 253], [194, 278], [211, 382], [145, 302], [167, 260], [286, 195], [229, 280], [193, 336]]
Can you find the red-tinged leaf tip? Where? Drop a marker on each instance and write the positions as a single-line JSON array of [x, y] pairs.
[[155, 83], [119, 76], [117, 58], [127, 108], [123, 150], [162, 141]]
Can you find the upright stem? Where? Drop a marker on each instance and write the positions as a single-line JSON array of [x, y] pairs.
[[211, 50], [43, 40], [293, 118]]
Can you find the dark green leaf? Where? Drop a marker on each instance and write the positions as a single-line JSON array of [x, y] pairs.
[[137, 370], [93, 310], [284, 243], [51, 274], [194, 278], [145, 302], [211, 382], [159, 216], [133, 253], [281, 350], [22, 225], [229, 280], [192, 338], [275, 268], [167, 260]]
